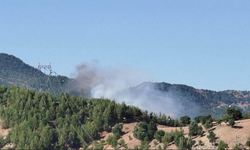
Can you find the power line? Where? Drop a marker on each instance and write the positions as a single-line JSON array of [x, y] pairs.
[[72, 110], [65, 114], [41, 90], [48, 82]]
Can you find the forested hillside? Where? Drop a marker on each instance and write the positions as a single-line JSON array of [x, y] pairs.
[[41, 121], [14, 71], [195, 100]]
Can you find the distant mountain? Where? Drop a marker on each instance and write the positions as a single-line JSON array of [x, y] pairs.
[[193, 101], [14, 72]]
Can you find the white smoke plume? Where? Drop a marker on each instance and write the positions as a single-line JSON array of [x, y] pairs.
[[92, 80]]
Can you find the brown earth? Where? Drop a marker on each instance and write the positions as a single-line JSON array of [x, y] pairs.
[[231, 136], [3, 132]]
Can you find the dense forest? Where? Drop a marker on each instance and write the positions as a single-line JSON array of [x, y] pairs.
[[40, 120]]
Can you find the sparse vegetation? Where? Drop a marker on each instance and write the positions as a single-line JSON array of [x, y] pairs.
[[130, 138], [212, 137], [112, 140], [117, 130], [145, 144], [155, 143], [145, 130], [203, 119], [200, 143], [222, 145], [208, 124], [248, 142], [231, 116], [159, 135], [185, 120], [2, 142], [239, 146], [194, 129], [123, 144]]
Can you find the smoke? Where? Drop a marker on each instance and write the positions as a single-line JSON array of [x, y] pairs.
[[91, 80], [125, 85]]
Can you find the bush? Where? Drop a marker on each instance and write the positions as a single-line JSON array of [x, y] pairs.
[[208, 124], [185, 120], [123, 144], [130, 138], [211, 137], [145, 144], [234, 113], [194, 129], [201, 143], [140, 131], [155, 143], [202, 119], [112, 140], [222, 145], [231, 122], [159, 135], [248, 142], [238, 147], [117, 130], [2, 142], [185, 143], [5, 125], [145, 130]]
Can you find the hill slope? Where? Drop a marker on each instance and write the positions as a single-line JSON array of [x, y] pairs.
[[172, 99], [14, 71], [191, 101]]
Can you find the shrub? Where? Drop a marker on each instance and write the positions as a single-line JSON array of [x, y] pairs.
[[117, 130], [234, 113], [159, 135], [248, 142], [211, 137], [112, 140], [222, 145], [185, 120], [238, 147], [201, 143], [2, 142], [145, 144], [123, 144], [130, 138], [231, 122], [208, 124], [144, 130], [194, 129], [156, 143]]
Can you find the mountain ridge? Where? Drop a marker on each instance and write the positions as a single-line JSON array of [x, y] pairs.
[[13, 71]]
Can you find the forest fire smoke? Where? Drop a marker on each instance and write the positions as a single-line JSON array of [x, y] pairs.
[[93, 81]]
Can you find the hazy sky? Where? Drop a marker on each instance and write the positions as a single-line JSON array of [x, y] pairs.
[[204, 44]]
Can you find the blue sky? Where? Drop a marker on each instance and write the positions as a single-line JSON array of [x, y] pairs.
[[204, 44]]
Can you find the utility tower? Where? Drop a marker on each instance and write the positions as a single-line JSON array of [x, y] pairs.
[[45, 68]]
